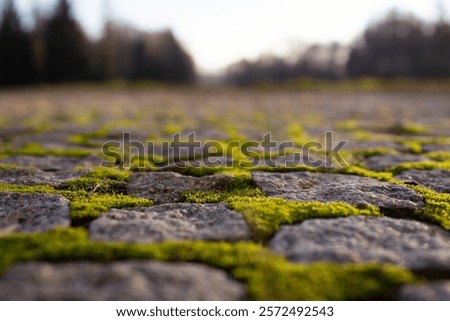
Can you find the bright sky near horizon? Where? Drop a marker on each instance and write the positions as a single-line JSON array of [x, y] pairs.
[[218, 33]]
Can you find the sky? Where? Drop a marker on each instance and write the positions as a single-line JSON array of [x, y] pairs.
[[219, 32]]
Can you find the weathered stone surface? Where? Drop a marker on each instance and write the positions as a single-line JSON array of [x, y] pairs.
[[383, 162], [53, 163], [171, 222], [438, 180], [415, 245], [130, 280], [394, 200], [32, 212], [32, 176], [432, 291], [167, 187]]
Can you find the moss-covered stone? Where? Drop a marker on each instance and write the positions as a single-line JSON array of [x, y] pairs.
[[101, 180], [87, 207], [6, 167], [240, 185], [267, 276], [437, 207], [265, 215], [414, 146], [89, 196], [360, 171], [85, 139]]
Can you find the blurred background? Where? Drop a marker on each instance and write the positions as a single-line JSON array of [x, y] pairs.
[[234, 42]]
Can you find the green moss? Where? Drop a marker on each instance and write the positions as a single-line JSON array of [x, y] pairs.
[[82, 140], [7, 167], [34, 149], [297, 134], [90, 195], [408, 129], [240, 185], [359, 171], [14, 188], [85, 208], [437, 207], [364, 135], [200, 171], [348, 125], [98, 191], [440, 156], [424, 165], [413, 146], [101, 180], [172, 129], [267, 276], [91, 184], [323, 281], [144, 163], [84, 119], [111, 173], [265, 215]]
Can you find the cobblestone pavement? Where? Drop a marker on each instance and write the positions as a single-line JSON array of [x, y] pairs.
[[139, 219]]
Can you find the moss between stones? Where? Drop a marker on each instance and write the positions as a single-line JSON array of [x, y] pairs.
[[360, 171], [437, 207], [242, 195], [172, 129], [86, 207], [90, 195], [143, 164], [283, 169], [348, 170], [14, 188], [6, 167], [413, 146], [98, 191], [82, 140], [265, 215], [86, 139], [34, 149], [408, 129], [424, 165], [297, 134], [101, 180], [240, 185], [267, 276], [348, 125]]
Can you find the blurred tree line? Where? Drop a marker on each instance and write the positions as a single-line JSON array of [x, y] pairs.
[[398, 45], [56, 49]]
